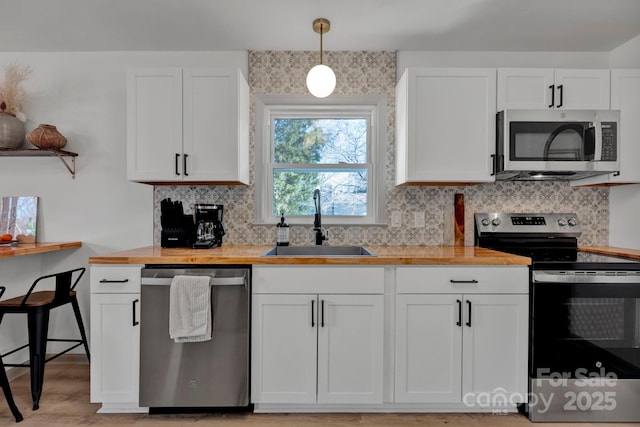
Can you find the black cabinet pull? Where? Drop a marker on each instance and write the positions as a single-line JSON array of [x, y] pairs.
[[135, 322], [313, 317], [459, 322], [561, 91], [177, 157], [463, 281], [494, 162], [469, 318], [322, 314], [553, 96], [114, 281], [184, 164]]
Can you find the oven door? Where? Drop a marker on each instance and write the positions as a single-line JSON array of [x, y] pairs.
[[585, 347], [585, 323]]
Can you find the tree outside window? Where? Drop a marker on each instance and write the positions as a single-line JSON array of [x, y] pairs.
[[326, 153]]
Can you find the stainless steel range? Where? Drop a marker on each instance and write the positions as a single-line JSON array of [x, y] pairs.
[[584, 354]]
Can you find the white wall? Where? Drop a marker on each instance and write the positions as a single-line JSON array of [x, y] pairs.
[[624, 227], [84, 95]]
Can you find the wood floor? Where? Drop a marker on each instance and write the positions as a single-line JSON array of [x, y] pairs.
[[65, 402]]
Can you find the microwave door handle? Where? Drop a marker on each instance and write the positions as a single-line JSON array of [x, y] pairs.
[[597, 156]]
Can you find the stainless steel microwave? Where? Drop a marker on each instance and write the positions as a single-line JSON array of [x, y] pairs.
[[556, 144]]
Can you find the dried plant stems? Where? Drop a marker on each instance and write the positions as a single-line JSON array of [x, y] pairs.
[[11, 92]]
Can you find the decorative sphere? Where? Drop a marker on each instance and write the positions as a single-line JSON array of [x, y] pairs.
[[321, 81]]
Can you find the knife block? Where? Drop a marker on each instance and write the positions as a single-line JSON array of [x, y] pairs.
[[179, 237]]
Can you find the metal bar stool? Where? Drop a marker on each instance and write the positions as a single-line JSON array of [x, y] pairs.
[[4, 381], [37, 306]]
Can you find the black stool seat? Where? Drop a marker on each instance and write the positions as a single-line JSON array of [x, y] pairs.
[[37, 306]]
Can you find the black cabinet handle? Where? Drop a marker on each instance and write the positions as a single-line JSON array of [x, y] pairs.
[[184, 164], [561, 91], [322, 314], [313, 317], [114, 281], [463, 281], [469, 318], [459, 322], [494, 162], [177, 157], [553, 96], [135, 322]]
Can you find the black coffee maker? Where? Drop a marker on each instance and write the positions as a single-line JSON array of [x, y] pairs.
[[209, 226]]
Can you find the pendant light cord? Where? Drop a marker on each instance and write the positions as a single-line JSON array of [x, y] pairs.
[[321, 32]]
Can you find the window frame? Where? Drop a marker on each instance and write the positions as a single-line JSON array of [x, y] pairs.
[[302, 106]]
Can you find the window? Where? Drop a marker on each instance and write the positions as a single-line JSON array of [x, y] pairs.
[[334, 145]]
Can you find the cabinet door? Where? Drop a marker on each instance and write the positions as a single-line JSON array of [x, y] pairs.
[[625, 96], [495, 342], [154, 125], [213, 100], [448, 134], [350, 348], [428, 348], [582, 89], [284, 348], [525, 88], [115, 348]]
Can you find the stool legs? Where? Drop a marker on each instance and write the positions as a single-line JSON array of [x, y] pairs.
[[76, 311], [6, 388], [38, 329], [4, 382]]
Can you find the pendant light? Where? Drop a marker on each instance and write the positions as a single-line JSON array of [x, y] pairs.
[[321, 80]]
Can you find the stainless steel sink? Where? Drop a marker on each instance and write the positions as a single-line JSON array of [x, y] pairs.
[[319, 251]]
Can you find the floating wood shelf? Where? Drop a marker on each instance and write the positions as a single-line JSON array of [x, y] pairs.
[[28, 152]]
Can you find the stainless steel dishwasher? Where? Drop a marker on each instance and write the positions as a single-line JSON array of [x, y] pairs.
[[209, 374]]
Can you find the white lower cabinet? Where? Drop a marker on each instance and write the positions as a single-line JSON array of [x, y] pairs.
[[284, 349], [115, 337], [461, 347], [317, 348], [428, 349]]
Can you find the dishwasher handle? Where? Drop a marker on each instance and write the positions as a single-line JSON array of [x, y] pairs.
[[214, 281]]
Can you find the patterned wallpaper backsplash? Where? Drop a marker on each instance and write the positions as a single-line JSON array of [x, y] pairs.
[[276, 72]]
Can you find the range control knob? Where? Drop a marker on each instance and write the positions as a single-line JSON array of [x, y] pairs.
[[496, 221], [573, 222], [485, 222], [562, 222]]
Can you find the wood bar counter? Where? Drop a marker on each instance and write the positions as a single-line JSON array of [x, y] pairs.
[[20, 249]]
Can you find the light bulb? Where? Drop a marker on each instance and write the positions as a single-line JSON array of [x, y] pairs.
[[321, 81]]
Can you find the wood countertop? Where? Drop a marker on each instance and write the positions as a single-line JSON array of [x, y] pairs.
[[20, 249], [612, 250], [252, 254]]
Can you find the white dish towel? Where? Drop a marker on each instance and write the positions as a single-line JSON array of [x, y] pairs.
[[190, 309]]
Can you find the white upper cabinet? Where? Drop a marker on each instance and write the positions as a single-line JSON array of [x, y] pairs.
[[545, 88], [625, 96], [188, 125], [445, 125]]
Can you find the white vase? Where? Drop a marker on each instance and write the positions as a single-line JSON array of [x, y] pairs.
[[12, 131]]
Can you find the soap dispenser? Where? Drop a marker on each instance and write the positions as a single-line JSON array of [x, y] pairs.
[[282, 232]]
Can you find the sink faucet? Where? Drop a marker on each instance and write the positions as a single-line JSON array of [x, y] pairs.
[[317, 220]]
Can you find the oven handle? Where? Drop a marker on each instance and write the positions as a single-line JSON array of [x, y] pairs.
[[572, 277]]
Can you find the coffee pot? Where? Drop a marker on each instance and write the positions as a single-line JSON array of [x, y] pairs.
[[209, 226]]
